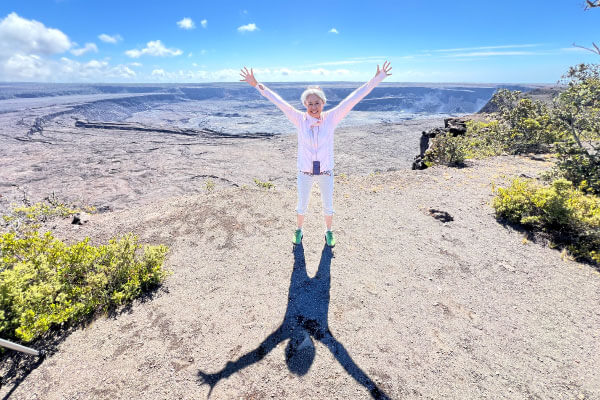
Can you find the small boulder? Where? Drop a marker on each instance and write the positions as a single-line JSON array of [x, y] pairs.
[[456, 126], [440, 215], [80, 218]]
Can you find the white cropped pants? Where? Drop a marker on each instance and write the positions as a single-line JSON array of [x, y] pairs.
[[305, 183]]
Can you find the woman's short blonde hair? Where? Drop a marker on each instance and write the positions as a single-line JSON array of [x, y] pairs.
[[316, 90]]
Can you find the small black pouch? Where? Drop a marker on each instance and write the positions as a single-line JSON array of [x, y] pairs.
[[316, 167]]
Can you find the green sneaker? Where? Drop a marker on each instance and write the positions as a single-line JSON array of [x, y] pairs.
[[329, 239], [297, 236]]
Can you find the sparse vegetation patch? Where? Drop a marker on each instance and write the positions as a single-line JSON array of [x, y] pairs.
[[45, 283]]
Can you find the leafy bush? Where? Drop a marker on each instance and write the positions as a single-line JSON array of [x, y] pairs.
[[526, 125], [569, 216], [446, 150], [44, 282], [580, 167], [484, 139], [578, 106], [577, 113], [521, 125]]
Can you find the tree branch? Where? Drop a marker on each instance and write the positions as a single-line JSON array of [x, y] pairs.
[[595, 50], [576, 137], [592, 4]]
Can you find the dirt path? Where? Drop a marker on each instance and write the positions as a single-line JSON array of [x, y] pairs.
[[406, 306]]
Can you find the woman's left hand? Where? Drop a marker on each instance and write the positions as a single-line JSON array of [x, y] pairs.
[[248, 76], [387, 67]]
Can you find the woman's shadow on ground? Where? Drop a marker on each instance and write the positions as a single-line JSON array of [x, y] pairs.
[[306, 317]]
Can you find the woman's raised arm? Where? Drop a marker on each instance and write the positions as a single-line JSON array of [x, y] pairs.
[[290, 112], [342, 109]]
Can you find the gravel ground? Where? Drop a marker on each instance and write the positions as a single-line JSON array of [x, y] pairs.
[[405, 306]]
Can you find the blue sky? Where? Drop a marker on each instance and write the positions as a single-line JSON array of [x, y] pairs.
[[200, 41]]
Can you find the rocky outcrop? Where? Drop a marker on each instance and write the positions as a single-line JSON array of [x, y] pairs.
[[452, 126]]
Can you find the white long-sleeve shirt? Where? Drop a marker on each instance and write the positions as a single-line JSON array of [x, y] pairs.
[[315, 136]]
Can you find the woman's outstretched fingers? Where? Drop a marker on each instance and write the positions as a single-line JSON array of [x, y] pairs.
[[387, 67], [248, 76]]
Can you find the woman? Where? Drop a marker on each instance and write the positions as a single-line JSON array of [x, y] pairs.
[[315, 141]]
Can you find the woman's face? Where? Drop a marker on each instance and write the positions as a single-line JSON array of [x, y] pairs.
[[314, 105]]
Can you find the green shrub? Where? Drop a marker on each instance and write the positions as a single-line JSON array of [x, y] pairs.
[[44, 282], [484, 139], [446, 150], [580, 167], [526, 125], [577, 113], [210, 185], [264, 185], [27, 218], [569, 216]]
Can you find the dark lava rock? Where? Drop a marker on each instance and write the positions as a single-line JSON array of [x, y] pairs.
[[456, 126], [80, 218], [440, 215], [452, 126]]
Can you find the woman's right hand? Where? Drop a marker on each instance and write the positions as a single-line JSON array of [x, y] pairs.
[[248, 76]]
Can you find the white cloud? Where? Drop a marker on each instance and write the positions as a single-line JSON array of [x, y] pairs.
[[25, 47], [123, 71], [232, 75], [376, 58], [504, 46], [94, 70], [204, 23], [347, 62], [350, 61], [333, 30], [87, 48], [27, 37], [95, 64], [25, 67], [134, 53], [35, 68], [154, 48], [135, 64], [110, 39], [186, 23], [259, 70], [181, 75], [491, 53], [247, 28], [574, 50], [227, 74]]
